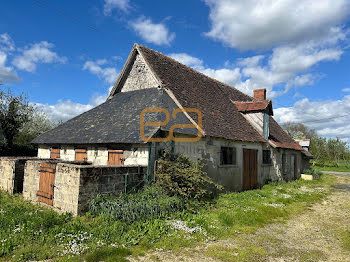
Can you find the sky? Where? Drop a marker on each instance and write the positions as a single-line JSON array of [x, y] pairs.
[[66, 55]]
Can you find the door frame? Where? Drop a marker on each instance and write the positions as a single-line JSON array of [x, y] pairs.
[[250, 168]]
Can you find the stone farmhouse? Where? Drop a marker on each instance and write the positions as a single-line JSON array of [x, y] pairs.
[[235, 134]]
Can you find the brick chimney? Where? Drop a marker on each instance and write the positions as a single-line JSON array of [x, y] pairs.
[[260, 94]]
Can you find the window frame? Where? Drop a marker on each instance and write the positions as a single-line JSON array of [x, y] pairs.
[[226, 149], [269, 158]]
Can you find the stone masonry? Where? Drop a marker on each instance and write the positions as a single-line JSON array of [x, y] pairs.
[[76, 185], [11, 173]]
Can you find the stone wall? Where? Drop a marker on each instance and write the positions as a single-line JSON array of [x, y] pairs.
[[231, 176], [12, 173], [140, 76], [76, 185], [7, 174], [107, 180], [31, 180]]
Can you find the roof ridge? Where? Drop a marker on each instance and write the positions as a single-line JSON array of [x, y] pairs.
[[196, 71]]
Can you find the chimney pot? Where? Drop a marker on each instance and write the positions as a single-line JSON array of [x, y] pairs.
[[260, 94]]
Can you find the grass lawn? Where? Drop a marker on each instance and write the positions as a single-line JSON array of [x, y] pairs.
[[33, 232], [343, 166], [332, 168]]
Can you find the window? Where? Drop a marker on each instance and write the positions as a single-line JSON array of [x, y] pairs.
[[284, 163], [228, 156], [54, 152], [267, 157], [80, 154]]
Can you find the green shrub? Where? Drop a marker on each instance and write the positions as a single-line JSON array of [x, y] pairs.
[[179, 176], [313, 172], [151, 202]]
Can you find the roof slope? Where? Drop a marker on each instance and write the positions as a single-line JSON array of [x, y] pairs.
[[116, 121], [280, 138], [213, 98]]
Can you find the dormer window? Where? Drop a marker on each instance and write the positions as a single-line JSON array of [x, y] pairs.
[[266, 127]]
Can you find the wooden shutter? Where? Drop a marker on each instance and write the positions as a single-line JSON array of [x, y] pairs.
[[54, 153], [81, 154], [46, 183], [115, 157]]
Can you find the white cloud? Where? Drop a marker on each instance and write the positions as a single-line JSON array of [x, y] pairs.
[[187, 59], [152, 33], [286, 67], [35, 54], [226, 75], [110, 5], [256, 24], [65, 110], [6, 43], [7, 73], [336, 115], [346, 90], [108, 74]]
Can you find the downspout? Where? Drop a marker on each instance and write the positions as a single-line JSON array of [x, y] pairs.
[[149, 162]]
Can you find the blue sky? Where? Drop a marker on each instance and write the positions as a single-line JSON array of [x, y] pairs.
[[298, 50]]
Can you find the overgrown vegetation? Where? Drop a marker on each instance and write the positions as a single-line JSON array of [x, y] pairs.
[[20, 123], [152, 202], [179, 176], [31, 232], [313, 172], [332, 153]]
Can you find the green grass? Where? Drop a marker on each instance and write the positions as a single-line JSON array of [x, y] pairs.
[[32, 232], [332, 168], [343, 166], [345, 237]]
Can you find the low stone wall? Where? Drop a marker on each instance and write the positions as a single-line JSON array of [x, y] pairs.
[[76, 185], [12, 173]]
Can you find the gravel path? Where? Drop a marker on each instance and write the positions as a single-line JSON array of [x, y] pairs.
[[347, 174], [315, 235]]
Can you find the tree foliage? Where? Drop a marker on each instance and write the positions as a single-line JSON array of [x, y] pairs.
[[179, 176], [15, 112], [20, 123], [332, 150], [299, 131]]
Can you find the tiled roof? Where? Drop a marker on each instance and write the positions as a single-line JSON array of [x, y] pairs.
[[252, 106], [280, 138], [116, 121], [213, 98]]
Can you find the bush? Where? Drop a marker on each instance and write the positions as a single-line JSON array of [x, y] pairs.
[[315, 173], [179, 176], [151, 202]]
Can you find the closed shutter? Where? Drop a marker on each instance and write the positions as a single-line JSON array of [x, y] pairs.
[[115, 157], [80, 154], [54, 153]]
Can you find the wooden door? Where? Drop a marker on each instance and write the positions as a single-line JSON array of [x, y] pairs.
[[46, 183], [54, 153], [115, 157], [250, 169], [293, 166], [80, 154]]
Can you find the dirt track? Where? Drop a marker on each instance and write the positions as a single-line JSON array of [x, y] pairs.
[[314, 235]]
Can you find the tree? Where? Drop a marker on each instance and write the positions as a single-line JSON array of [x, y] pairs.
[[38, 123], [15, 112], [299, 131]]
